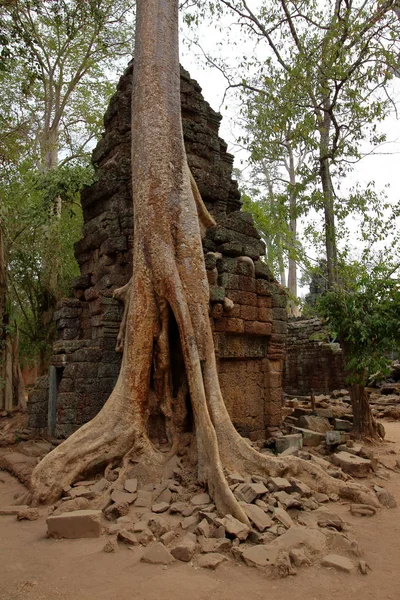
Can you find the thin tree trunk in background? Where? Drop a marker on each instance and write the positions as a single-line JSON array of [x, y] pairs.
[[329, 208], [12, 388]]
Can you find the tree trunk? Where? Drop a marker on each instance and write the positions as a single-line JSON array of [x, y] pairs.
[[292, 269], [329, 208], [12, 388], [145, 421], [364, 424]]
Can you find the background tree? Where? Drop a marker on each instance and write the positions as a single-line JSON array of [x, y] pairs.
[[326, 67], [56, 76], [365, 318]]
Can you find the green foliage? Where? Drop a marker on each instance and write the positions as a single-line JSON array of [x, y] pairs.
[[38, 245], [365, 317]]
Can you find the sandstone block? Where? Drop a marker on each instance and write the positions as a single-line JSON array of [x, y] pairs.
[[157, 554], [341, 563], [351, 464], [76, 524]]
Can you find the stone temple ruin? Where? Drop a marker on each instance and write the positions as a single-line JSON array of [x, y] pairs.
[[249, 339]]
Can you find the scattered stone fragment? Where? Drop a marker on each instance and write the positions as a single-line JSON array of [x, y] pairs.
[[120, 497], [211, 560], [248, 492], [200, 499], [164, 497], [311, 438], [260, 556], [351, 464], [343, 425], [191, 521], [326, 518], [363, 567], [310, 503], [116, 510], [81, 492], [100, 485], [321, 498], [281, 515], [278, 484], [145, 537], [300, 557], [203, 528], [177, 507], [257, 516], [144, 499], [77, 524], [167, 537], [333, 438], [158, 526], [362, 510], [314, 423], [184, 550], [12, 510], [293, 441], [233, 527], [338, 542], [190, 510], [112, 529], [341, 563], [157, 554], [28, 514], [71, 505], [233, 478], [126, 537], [160, 507], [287, 501], [300, 487], [385, 497], [222, 545], [110, 546], [219, 532]]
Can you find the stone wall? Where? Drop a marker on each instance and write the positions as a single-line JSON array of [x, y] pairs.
[[249, 339], [312, 362]]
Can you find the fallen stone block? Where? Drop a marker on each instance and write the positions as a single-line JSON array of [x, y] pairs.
[[313, 423], [278, 484], [184, 550], [200, 499], [311, 438], [282, 516], [28, 514], [12, 510], [257, 516], [131, 485], [292, 441], [351, 464], [211, 560], [341, 563], [76, 524], [343, 425], [126, 537], [157, 554], [234, 528]]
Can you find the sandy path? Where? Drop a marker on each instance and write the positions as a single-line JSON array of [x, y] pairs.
[[35, 568]]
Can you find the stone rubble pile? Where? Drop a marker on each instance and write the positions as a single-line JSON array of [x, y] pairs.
[[290, 525]]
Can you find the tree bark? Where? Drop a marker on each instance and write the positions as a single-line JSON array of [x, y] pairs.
[[12, 388], [144, 422], [364, 424], [329, 208]]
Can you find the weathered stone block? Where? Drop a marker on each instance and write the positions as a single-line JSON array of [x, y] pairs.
[[76, 524]]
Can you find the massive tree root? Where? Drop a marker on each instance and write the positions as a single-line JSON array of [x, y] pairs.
[[169, 293]]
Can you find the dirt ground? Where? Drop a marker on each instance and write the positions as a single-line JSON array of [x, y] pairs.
[[33, 567]]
